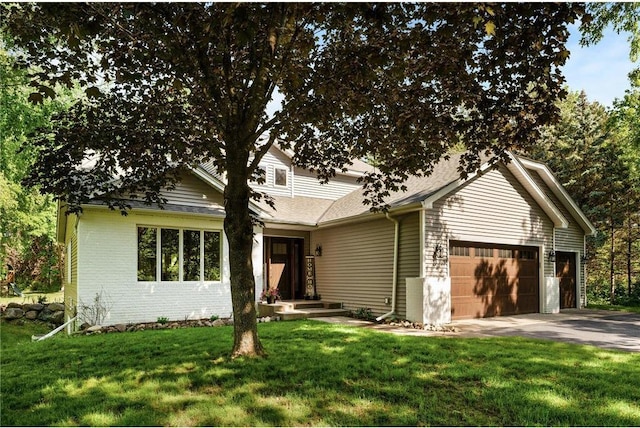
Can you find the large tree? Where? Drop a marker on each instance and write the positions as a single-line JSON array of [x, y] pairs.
[[172, 85]]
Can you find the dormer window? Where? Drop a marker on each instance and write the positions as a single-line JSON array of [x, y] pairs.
[[280, 177]]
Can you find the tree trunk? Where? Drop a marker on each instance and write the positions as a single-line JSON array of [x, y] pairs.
[[239, 229], [629, 233], [612, 269]]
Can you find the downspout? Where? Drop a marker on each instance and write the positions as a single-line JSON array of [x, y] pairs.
[[396, 239]]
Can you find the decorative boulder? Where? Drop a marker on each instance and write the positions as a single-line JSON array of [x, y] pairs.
[[45, 315], [58, 317], [55, 307], [31, 315], [13, 313], [34, 307]]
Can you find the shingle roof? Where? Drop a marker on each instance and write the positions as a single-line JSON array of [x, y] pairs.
[[418, 189], [299, 210]]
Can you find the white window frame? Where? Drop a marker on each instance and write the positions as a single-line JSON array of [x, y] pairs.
[[181, 254], [69, 256], [275, 177]]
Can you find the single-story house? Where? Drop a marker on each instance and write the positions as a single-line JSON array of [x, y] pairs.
[[507, 240]]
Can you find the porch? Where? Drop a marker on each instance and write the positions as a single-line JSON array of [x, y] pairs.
[[301, 309]]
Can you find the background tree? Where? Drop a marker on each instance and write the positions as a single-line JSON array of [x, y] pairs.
[[174, 85], [622, 17], [27, 218], [595, 155]]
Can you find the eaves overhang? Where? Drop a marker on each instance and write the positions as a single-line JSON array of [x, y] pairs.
[[558, 190]]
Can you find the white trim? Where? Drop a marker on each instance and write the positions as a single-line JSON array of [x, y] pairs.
[[521, 174], [550, 180]]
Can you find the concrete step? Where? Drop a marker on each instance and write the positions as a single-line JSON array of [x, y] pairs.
[[297, 314]]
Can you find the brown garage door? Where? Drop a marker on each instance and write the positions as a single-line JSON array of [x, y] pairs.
[[492, 280]]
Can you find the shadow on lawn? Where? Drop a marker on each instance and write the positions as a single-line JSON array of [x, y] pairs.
[[316, 374]]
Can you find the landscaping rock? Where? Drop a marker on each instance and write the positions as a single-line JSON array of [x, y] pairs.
[[55, 307], [58, 317], [121, 327], [31, 315], [84, 326], [13, 313], [14, 305], [217, 323], [34, 307], [45, 315], [94, 329]]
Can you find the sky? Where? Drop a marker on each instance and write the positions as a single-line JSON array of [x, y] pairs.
[[600, 70]]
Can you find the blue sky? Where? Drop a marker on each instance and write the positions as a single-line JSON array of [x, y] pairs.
[[601, 70]]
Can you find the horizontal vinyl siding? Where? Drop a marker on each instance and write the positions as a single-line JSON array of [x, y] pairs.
[[356, 266], [570, 239], [192, 191], [307, 184], [493, 208], [275, 159], [71, 288], [408, 257]]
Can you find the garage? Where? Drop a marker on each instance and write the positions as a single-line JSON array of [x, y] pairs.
[[493, 280]]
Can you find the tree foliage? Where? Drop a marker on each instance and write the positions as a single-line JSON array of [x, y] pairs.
[[27, 218], [169, 86], [622, 17], [595, 154]]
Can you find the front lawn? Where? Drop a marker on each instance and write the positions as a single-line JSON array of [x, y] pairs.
[[621, 308], [315, 374]]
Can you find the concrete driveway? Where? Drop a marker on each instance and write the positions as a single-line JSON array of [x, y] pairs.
[[605, 329]]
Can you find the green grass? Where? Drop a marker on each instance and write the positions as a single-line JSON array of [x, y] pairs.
[[621, 308], [315, 374]]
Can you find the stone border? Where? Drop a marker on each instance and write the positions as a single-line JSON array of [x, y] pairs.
[[46, 312]]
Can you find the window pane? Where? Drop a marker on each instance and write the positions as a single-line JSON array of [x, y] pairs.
[[191, 255], [459, 251], [169, 241], [212, 256], [147, 253], [484, 252], [281, 177]]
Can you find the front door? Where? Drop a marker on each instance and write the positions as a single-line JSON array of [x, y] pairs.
[[566, 272], [284, 266]]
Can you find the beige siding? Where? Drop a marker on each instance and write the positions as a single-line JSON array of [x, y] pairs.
[[71, 287], [408, 258], [570, 239], [275, 159], [192, 191], [493, 208], [306, 184], [356, 266]]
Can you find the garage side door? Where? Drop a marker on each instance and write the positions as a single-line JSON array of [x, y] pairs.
[[492, 280]]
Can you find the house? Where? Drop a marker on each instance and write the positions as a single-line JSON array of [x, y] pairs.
[[507, 240]]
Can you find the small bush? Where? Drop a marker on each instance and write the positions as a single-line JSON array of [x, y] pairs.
[[363, 314], [162, 320], [214, 317]]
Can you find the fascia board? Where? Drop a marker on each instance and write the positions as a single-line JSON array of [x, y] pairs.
[[219, 186], [521, 174], [552, 182], [445, 190]]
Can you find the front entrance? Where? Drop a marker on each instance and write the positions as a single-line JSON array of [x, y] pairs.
[[284, 264], [566, 272]]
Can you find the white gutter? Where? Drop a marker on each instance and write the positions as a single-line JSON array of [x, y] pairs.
[[396, 239]]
